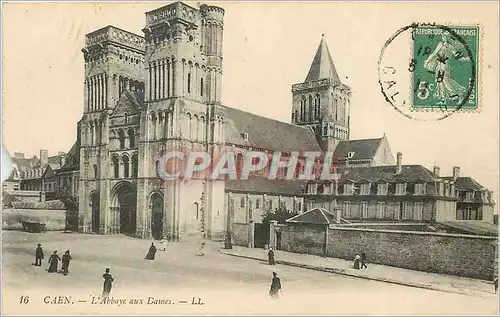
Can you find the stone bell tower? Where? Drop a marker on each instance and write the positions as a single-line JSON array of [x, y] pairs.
[[322, 101]]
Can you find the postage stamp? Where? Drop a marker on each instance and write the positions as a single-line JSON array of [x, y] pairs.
[[444, 64], [428, 71]]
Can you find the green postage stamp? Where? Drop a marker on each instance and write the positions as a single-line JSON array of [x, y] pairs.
[[444, 68]]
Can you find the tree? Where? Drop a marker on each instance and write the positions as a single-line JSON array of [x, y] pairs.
[[279, 214]]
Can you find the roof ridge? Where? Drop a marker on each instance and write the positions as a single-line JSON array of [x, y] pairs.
[[267, 118]]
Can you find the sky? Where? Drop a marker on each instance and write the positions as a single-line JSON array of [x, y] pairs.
[[267, 48]]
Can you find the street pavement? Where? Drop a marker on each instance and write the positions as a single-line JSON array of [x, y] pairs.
[[225, 285]]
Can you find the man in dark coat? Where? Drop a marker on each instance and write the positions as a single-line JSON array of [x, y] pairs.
[[152, 252], [38, 255], [108, 283], [54, 260], [66, 258], [363, 260], [270, 257], [275, 290]]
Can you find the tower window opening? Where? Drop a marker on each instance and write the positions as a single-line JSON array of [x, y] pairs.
[[201, 87], [189, 83]]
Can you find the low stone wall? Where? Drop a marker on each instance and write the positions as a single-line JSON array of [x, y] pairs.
[[240, 234], [454, 254], [53, 219]]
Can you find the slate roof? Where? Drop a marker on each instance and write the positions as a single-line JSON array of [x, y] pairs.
[[127, 103], [466, 183], [24, 163], [268, 134], [363, 149], [317, 216], [322, 65], [474, 227], [387, 173], [72, 158], [263, 185]]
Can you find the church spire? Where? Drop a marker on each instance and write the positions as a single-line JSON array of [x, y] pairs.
[[322, 66]]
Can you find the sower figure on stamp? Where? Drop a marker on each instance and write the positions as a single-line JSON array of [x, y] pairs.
[[363, 260], [270, 257], [66, 258], [152, 252], [108, 283], [275, 290], [38, 255], [53, 260]]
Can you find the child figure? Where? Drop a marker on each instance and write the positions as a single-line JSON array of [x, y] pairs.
[[164, 243]]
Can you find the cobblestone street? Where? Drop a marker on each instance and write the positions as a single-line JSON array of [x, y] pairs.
[[226, 284]]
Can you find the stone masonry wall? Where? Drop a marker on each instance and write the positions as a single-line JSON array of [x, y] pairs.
[[240, 234], [53, 219], [454, 254]]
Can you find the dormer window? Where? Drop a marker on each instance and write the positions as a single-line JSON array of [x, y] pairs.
[[382, 189], [348, 189], [469, 196], [401, 189], [244, 136], [365, 189], [420, 189], [350, 155]]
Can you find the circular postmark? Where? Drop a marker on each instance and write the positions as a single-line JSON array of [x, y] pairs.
[[428, 71]]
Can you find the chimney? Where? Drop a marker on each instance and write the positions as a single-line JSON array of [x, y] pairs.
[[436, 170], [399, 162], [18, 155], [63, 160], [44, 157], [456, 172]]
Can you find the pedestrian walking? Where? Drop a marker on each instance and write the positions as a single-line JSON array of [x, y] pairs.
[[108, 283], [357, 258], [164, 243], [54, 261], [495, 282], [66, 258], [270, 257], [363, 260], [275, 290], [152, 252], [38, 255]]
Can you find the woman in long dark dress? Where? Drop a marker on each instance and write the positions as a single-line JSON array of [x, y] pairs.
[[66, 258], [108, 283], [357, 258], [275, 290], [152, 252], [270, 257], [53, 260]]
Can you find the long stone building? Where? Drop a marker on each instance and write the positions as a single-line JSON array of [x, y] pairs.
[[146, 95]]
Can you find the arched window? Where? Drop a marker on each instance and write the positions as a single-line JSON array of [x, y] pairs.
[[126, 167], [310, 108], [125, 118], [121, 137], [302, 109], [153, 126], [189, 83], [135, 166], [95, 171], [317, 107], [242, 202], [298, 169], [201, 87], [116, 167], [131, 138]]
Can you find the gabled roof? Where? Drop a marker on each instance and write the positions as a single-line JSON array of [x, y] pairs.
[[256, 184], [322, 65], [317, 216], [268, 134], [72, 158], [363, 149]]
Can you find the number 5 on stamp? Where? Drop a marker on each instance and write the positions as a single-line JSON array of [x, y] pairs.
[[444, 67]]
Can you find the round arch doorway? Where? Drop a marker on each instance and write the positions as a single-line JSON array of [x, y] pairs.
[[157, 218], [125, 198]]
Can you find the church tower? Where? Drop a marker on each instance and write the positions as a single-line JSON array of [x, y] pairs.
[[183, 62], [322, 102], [113, 66]]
